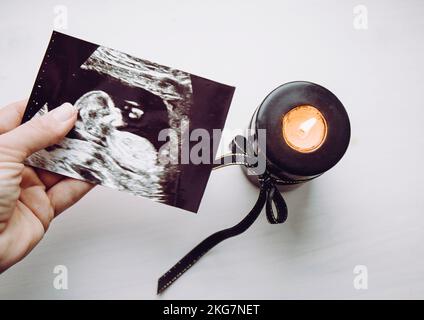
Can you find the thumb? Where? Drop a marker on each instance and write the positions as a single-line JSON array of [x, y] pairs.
[[37, 134]]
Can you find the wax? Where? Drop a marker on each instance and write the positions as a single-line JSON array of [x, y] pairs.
[[304, 128]]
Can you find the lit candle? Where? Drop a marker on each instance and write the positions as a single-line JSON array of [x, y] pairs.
[[307, 131]]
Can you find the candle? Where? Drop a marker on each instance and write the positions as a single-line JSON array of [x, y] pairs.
[[307, 131]]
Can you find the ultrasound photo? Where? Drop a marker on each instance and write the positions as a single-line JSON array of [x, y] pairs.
[[123, 104]]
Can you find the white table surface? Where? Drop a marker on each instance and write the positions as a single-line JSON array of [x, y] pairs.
[[368, 210]]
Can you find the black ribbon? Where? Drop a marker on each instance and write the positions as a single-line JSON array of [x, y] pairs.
[[269, 196]]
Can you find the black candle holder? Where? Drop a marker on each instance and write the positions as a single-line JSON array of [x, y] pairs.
[[282, 161]]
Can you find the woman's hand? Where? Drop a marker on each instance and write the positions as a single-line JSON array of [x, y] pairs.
[[30, 198]]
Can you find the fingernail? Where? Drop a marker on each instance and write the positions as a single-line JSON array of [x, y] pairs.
[[65, 112]]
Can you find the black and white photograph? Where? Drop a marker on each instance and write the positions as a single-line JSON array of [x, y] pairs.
[[124, 103], [220, 158]]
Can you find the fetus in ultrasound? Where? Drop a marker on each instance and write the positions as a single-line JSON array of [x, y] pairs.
[[101, 152]]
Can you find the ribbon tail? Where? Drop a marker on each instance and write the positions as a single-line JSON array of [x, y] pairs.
[[203, 247]]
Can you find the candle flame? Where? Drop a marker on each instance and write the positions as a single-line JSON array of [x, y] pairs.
[[306, 126]]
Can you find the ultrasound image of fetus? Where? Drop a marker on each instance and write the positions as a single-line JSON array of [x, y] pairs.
[[125, 104], [100, 151]]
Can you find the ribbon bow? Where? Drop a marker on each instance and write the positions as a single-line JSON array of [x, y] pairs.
[[269, 196]]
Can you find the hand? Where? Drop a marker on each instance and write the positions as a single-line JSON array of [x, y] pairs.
[[30, 198]]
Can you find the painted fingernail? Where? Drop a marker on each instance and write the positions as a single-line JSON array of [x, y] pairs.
[[65, 112]]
